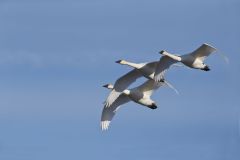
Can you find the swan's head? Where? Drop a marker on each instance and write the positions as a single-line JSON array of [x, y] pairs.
[[153, 106], [162, 52], [126, 92], [108, 86], [121, 61]]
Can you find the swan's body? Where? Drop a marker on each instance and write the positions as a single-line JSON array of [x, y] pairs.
[[141, 95], [194, 59]]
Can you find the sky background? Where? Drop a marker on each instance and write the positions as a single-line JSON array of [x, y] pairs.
[[56, 55]]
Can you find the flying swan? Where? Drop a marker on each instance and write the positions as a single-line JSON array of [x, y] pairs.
[[141, 95], [194, 59]]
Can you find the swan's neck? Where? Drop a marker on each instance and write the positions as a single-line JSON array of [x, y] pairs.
[[134, 65], [126, 92], [177, 58]]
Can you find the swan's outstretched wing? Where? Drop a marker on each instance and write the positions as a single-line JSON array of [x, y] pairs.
[[163, 65], [109, 112], [121, 84], [203, 51]]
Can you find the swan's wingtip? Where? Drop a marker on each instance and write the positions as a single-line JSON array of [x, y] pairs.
[[104, 125], [209, 45]]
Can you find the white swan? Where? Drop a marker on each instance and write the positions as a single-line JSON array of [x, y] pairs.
[[194, 59], [140, 69], [141, 95]]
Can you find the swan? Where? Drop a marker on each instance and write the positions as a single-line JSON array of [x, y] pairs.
[[140, 69], [194, 59], [141, 95]]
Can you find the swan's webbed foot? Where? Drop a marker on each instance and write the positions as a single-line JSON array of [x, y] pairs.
[[153, 106], [206, 68], [162, 80]]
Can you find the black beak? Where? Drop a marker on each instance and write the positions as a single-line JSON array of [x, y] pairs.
[[106, 85], [119, 61], [161, 52]]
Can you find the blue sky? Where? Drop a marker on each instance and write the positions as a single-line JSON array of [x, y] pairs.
[[56, 55]]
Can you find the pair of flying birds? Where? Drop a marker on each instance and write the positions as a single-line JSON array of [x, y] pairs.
[[154, 72]]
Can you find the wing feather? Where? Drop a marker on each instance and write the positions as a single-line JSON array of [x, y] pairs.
[[109, 112]]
